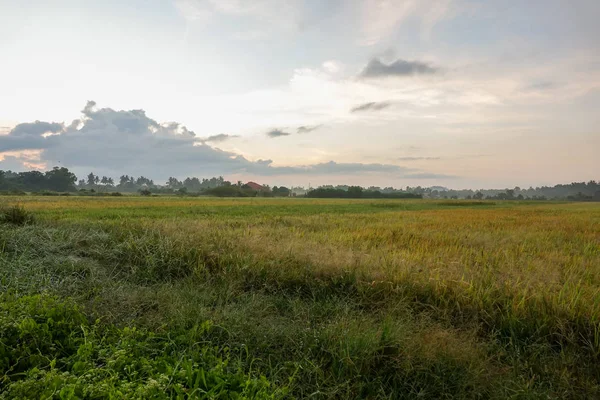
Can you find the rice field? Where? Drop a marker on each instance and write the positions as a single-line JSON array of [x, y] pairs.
[[300, 298]]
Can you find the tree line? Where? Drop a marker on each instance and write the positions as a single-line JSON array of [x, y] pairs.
[[60, 179], [357, 192]]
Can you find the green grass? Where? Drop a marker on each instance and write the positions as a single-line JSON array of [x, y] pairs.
[[296, 298]]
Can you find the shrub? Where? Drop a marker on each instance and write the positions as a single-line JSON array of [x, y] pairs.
[[116, 194], [15, 214], [49, 349]]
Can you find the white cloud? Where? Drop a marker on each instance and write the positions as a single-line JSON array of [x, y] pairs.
[[331, 66]]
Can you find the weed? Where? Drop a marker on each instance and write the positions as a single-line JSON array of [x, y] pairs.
[[15, 214]]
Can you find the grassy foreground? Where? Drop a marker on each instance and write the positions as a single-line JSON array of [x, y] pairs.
[[293, 298]]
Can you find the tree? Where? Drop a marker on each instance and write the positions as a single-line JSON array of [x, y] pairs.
[[32, 180], [173, 183], [60, 179], [478, 196], [355, 192], [91, 179], [280, 191]]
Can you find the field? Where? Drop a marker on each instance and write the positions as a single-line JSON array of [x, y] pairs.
[[135, 297]]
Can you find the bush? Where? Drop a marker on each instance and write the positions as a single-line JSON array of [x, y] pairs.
[[16, 215], [230, 191], [116, 194], [13, 192], [49, 349]]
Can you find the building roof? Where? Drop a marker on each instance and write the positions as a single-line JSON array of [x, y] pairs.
[[255, 186]]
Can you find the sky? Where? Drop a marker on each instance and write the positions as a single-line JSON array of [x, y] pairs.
[[454, 93]]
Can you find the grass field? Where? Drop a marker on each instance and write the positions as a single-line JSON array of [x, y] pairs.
[[134, 297]]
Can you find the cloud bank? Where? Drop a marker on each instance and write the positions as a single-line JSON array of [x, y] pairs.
[[112, 142]]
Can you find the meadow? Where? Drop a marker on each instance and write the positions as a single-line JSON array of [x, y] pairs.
[[177, 297]]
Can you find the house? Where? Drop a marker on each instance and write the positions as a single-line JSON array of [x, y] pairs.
[[256, 186]]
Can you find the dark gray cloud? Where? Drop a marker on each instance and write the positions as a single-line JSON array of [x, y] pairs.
[[308, 128], [29, 135], [417, 158], [378, 69], [221, 137], [36, 128], [373, 106], [112, 143], [275, 133]]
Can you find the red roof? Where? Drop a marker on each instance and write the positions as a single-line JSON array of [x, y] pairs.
[[255, 186]]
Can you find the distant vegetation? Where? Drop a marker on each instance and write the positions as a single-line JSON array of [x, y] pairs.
[[61, 180], [357, 192]]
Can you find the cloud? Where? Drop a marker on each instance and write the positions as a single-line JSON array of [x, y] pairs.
[[427, 175], [381, 18], [372, 106], [29, 135], [275, 133], [221, 137], [308, 128], [111, 143], [331, 66], [417, 158], [37, 128], [378, 69]]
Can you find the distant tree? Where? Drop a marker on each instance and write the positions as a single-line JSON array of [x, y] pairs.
[[60, 180], [281, 191], [355, 192], [32, 180], [91, 179], [173, 183], [478, 196]]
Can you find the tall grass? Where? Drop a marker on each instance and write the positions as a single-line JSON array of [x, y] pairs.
[[339, 299]]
